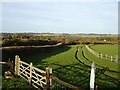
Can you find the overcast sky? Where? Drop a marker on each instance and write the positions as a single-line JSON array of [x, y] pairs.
[[60, 17]]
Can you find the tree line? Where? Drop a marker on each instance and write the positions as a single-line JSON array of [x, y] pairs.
[[32, 39]]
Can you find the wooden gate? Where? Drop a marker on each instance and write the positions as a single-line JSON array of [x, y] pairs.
[[40, 79], [36, 77]]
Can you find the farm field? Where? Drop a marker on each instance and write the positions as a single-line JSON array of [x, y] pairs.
[[67, 68], [101, 63], [106, 49], [70, 69], [59, 46]]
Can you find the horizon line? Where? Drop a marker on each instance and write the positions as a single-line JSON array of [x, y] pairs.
[[59, 33]]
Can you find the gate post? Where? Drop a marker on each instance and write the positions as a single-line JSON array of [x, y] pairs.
[[101, 55], [92, 76], [17, 65], [111, 58], [48, 81], [30, 73]]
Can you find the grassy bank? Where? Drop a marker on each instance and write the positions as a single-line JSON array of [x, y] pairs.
[[67, 68]]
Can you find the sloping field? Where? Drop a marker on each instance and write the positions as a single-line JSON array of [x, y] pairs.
[[70, 69], [100, 61], [72, 64], [111, 68], [106, 49]]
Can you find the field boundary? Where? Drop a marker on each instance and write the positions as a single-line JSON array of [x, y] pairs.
[[100, 55], [99, 71], [20, 47], [27, 67]]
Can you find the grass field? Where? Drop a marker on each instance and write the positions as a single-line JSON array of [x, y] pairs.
[[106, 49], [100, 62], [67, 68]]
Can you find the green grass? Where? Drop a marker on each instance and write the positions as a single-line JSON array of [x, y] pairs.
[[99, 61], [15, 84], [67, 68], [64, 56], [106, 49], [64, 65]]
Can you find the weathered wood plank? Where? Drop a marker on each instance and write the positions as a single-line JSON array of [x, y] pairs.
[[39, 70], [17, 64], [3, 62], [22, 62]]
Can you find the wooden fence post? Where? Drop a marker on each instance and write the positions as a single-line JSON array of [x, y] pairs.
[[101, 55], [30, 73], [48, 82], [116, 58], [17, 64], [11, 65], [96, 87]]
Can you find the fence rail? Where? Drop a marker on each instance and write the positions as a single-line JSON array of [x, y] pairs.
[[100, 55], [3, 62]]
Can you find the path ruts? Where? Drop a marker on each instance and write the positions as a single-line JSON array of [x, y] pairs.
[[98, 71]]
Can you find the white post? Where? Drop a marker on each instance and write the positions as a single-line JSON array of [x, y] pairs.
[[106, 56], [31, 64], [92, 76], [101, 55], [111, 58], [17, 64]]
